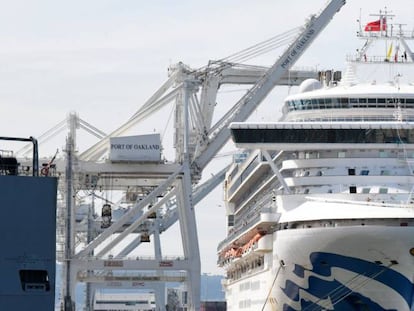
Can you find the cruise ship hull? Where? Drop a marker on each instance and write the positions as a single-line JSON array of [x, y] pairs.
[[334, 268]]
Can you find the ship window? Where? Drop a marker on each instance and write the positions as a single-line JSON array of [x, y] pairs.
[[323, 136], [328, 103], [230, 220], [184, 297], [352, 189], [366, 190], [372, 100], [315, 104], [344, 101], [362, 100], [335, 103], [364, 172], [409, 100], [381, 100], [341, 154], [383, 190], [351, 171], [34, 280], [321, 102]]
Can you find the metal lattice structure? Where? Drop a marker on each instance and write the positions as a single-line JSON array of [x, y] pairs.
[[161, 194]]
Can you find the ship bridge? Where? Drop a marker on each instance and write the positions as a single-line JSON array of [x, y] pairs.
[[295, 136]]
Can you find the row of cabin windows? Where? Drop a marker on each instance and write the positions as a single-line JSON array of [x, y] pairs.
[[356, 136], [343, 154], [331, 118], [340, 103], [351, 172], [353, 189]]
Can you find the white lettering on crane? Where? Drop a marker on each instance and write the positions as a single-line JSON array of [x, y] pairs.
[[299, 46]]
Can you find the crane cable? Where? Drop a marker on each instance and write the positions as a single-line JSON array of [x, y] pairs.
[[253, 51], [262, 47], [271, 287]]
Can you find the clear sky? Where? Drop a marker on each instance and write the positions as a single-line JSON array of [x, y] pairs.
[[104, 58]]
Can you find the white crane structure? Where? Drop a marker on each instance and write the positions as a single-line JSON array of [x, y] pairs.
[[162, 193]]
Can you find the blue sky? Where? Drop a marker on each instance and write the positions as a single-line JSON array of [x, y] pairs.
[[104, 58]]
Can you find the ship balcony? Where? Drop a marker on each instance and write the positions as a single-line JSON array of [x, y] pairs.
[[354, 179], [251, 173], [263, 245], [256, 246], [244, 181], [263, 223]]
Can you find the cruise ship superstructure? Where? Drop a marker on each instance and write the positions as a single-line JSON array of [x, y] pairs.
[[321, 210]]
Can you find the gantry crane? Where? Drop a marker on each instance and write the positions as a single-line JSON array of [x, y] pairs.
[[171, 188]]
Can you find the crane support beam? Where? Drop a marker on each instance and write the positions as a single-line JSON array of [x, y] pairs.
[[180, 264], [131, 282], [127, 216], [251, 76], [246, 105]]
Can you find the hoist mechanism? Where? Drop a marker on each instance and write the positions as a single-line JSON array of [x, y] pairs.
[[174, 186], [106, 215]]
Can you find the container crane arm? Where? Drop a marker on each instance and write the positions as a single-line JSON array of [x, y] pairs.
[[220, 134], [157, 101]]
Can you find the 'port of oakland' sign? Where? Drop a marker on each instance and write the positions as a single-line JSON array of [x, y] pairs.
[[145, 148]]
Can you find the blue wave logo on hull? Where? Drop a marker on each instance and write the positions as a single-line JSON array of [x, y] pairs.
[[343, 296]]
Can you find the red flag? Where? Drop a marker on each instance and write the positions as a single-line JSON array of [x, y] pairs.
[[376, 25]]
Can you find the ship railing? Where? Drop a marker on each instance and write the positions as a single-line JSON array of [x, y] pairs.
[[250, 194], [377, 59], [255, 162], [269, 181], [406, 34], [245, 225], [244, 174], [9, 165], [258, 206], [367, 203]]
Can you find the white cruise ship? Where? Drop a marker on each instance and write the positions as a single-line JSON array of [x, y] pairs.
[[321, 212]]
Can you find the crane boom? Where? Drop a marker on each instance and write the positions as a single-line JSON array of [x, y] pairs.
[[165, 190], [154, 103], [245, 106]]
